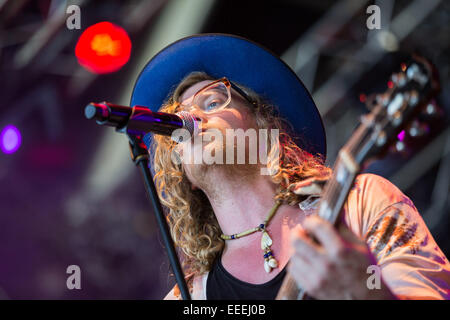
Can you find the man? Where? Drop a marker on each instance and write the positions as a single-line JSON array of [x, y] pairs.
[[239, 224]]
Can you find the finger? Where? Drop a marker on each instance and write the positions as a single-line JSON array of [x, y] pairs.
[[325, 233], [345, 231], [304, 246], [348, 234], [300, 269]]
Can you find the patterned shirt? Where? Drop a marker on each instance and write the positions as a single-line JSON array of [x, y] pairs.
[[411, 263]]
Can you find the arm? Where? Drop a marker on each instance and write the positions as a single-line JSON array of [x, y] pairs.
[[384, 229], [335, 265], [410, 260]]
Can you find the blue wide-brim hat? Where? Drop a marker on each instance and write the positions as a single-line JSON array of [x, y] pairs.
[[243, 62]]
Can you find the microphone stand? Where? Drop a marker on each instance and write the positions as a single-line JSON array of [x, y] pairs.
[[139, 155], [132, 122]]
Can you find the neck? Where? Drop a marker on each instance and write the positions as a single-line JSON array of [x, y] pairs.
[[243, 202], [240, 202]]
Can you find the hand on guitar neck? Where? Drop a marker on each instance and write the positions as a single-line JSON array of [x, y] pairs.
[[335, 265]]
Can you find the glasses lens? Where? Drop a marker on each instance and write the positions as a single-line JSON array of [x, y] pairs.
[[212, 98]]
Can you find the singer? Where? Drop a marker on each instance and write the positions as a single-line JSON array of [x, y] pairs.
[[237, 229]]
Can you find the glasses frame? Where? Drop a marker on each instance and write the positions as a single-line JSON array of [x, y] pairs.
[[229, 85]]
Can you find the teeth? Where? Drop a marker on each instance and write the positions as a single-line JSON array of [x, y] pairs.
[[267, 267], [273, 263]]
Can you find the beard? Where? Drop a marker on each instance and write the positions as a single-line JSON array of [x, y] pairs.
[[220, 159]]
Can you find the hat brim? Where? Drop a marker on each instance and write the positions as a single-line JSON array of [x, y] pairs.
[[242, 61]]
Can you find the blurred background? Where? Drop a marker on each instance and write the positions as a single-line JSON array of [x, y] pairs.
[[69, 193]]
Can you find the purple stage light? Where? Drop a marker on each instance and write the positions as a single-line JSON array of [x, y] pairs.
[[10, 139]]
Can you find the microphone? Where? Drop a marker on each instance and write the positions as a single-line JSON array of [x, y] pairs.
[[140, 120]]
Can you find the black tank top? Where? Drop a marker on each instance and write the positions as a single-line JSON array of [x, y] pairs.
[[221, 285]]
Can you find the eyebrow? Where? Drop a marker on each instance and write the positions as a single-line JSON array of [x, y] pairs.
[[195, 91], [238, 90]]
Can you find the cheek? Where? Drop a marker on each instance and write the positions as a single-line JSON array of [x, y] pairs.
[[248, 120], [233, 119]]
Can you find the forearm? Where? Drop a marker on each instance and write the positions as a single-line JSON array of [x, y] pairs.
[[381, 293]]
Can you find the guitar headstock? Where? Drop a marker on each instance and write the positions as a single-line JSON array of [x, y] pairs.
[[409, 93]]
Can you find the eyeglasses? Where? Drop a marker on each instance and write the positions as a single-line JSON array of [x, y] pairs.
[[216, 96]]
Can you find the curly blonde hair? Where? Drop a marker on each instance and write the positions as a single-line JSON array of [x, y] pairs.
[[192, 222]]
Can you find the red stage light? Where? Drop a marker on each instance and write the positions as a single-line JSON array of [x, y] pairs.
[[103, 48], [390, 84], [362, 97]]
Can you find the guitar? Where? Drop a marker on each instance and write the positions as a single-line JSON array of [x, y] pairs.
[[391, 112]]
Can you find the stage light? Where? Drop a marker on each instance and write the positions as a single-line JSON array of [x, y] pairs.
[[403, 66], [390, 84], [103, 48], [387, 40], [10, 139], [362, 97]]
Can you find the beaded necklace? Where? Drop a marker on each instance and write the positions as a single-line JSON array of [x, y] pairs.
[[269, 260]]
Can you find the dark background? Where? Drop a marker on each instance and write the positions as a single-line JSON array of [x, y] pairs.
[[71, 195]]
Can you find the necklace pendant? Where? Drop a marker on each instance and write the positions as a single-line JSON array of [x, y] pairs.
[[269, 260], [270, 263], [267, 266], [273, 263], [266, 241]]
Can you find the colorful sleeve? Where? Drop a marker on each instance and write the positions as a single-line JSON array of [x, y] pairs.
[[175, 293], [196, 285], [411, 263]]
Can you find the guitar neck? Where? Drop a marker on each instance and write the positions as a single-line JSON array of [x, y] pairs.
[[331, 204], [333, 199]]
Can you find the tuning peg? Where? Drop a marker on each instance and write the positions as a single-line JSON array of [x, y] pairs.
[[394, 78], [382, 138], [414, 73], [396, 118], [400, 146], [384, 98], [418, 129], [413, 98], [403, 66], [432, 110], [399, 79]]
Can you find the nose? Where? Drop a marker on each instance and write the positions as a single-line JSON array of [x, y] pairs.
[[199, 114]]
